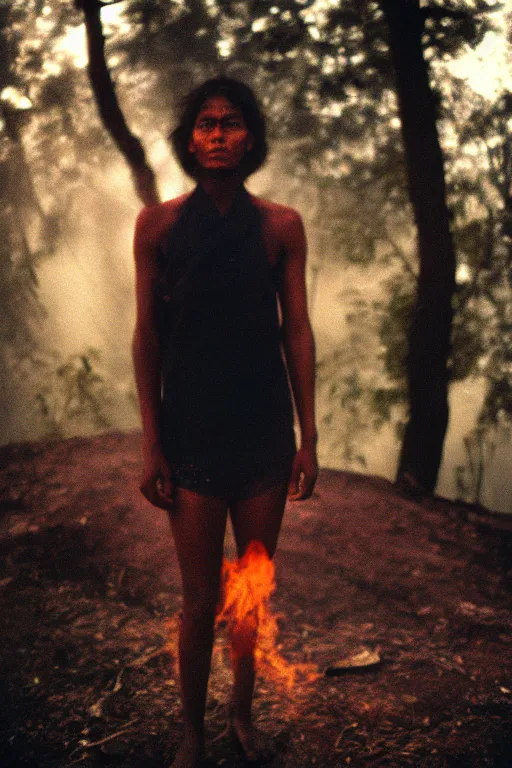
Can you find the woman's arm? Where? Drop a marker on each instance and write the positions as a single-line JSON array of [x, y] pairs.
[[147, 362], [299, 348]]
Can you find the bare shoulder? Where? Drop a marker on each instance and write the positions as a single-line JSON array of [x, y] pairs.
[[283, 230], [281, 217], [155, 220]]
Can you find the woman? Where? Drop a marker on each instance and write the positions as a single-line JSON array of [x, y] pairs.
[[213, 390]]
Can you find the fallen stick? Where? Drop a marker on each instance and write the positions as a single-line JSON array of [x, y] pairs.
[[98, 743]]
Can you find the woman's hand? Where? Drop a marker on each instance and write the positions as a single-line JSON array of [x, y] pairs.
[[304, 474], [156, 484]]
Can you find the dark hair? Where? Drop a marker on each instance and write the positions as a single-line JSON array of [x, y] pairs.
[[242, 97]]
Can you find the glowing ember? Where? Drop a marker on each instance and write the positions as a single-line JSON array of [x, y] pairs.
[[247, 585]]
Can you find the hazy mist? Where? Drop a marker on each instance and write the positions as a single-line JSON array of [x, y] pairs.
[[88, 291]]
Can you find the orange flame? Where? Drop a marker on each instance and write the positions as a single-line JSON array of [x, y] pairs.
[[247, 585], [246, 588]]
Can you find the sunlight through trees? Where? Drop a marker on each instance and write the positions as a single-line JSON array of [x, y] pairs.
[[325, 74]]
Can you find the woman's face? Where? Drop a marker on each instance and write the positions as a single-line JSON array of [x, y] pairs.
[[220, 138]]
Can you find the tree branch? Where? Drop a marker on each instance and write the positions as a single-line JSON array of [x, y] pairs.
[[400, 255], [108, 106]]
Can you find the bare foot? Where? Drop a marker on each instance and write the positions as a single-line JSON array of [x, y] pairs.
[[255, 745], [189, 754]]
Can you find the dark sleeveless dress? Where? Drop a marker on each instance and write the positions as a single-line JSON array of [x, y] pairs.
[[227, 416]]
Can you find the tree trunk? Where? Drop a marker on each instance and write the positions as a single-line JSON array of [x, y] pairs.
[[430, 330], [108, 105]]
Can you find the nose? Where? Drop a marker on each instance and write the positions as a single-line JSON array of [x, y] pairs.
[[217, 132]]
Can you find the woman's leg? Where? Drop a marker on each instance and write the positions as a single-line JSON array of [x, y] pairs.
[[198, 526], [258, 518]]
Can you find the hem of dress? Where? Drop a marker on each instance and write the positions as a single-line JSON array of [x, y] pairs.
[[255, 489]]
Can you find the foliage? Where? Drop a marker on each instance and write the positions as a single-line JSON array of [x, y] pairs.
[[325, 78], [489, 287], [354, 399], [78, 397], [479, 176], [480, 446], [478, 453]]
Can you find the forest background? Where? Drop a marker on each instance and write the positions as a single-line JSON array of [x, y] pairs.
[[325, 76]]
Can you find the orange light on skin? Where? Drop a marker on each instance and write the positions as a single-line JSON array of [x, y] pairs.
[[172, 645], [220, 138]]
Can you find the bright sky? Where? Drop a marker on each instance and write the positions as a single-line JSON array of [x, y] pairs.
[[74, 43], [489, 67]]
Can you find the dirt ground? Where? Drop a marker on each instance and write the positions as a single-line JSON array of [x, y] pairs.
[[89, 582]]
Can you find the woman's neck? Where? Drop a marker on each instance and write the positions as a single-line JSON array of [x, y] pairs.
[[221, 190]]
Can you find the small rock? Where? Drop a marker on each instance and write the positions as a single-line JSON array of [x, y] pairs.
[[361, 660]]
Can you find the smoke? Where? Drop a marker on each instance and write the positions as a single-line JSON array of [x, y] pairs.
[[88, 290]]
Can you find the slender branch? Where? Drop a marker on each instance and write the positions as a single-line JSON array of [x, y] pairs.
[[465, 294], [108, 106], [127, 729], [112, 735], [401, 255]]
